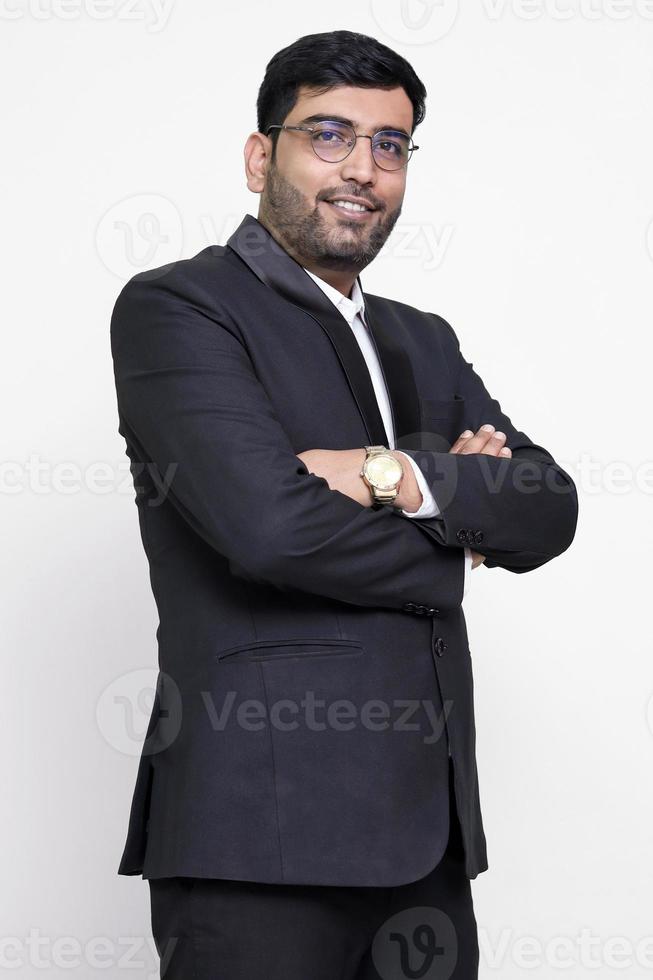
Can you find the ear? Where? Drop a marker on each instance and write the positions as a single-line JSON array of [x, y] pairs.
[[257, 154]]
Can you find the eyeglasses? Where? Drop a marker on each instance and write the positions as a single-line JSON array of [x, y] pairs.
[[334, 141]]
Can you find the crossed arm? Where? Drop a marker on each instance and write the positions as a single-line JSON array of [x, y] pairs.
[[190, 401], [341, 469]]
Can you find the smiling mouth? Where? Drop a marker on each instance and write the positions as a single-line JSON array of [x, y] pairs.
[[351, 213]]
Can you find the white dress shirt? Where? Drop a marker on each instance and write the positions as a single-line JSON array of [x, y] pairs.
[[353, 311]]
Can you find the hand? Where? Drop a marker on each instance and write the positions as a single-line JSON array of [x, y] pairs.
[[490, 443], [477, 559], [341, 469]]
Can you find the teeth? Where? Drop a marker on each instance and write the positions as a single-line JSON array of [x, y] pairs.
[[350, 206]]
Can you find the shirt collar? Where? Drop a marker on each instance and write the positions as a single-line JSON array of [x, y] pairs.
[[349, 307]]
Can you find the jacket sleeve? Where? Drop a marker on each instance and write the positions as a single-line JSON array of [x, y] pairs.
[[190, 403], [519, 512]]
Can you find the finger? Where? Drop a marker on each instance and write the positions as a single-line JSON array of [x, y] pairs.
[[477, 443], [494, 444], [461, 440]]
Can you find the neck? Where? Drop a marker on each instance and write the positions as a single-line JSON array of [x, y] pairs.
[[342, 281]]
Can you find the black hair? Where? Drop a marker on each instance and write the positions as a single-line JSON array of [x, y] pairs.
[[325, 61]]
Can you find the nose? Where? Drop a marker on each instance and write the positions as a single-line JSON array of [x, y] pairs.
[[359, 166]]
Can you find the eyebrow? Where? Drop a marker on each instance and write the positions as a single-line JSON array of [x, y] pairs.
[[330, 117]]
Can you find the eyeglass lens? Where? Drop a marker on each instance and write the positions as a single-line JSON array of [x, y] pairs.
[[333, 141]]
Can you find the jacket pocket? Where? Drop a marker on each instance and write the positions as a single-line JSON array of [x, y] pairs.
[[443, 419], [442, 408], [297, 647]]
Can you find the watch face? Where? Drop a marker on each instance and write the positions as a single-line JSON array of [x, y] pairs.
[[383, 472]]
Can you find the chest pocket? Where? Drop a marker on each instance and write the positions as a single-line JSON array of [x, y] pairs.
[[443, 419]]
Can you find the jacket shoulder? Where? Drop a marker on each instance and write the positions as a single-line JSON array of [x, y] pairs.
[[199, 278], [192, 291]]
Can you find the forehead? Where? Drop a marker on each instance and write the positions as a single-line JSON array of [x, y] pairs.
[[367, 108]]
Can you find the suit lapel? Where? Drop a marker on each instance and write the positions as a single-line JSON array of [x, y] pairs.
[[267, 259]]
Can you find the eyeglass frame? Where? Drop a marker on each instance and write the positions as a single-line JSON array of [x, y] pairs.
[[357, 136]]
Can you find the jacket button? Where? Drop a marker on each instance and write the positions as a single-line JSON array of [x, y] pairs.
[[421, 610], [409, 607], [440, 646], [461, 535], [432, 612], [478, 537]]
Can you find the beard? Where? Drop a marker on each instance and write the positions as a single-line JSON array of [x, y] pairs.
[[310, 237]]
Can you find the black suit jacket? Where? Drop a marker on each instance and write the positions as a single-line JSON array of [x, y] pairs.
[[314, 664]]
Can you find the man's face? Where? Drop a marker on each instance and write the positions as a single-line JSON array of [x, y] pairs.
[[298, 185]]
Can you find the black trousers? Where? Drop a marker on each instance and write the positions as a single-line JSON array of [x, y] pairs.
[[220, 929]]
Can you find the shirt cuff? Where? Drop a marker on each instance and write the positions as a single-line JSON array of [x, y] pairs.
[[428, 507], [468, 569]]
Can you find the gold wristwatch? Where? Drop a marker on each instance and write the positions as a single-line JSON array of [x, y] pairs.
[[382, 473]]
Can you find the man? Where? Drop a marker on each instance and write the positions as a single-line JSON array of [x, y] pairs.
[[315, 482]]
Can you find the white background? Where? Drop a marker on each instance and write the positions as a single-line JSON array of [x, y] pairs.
[[527, 224]]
